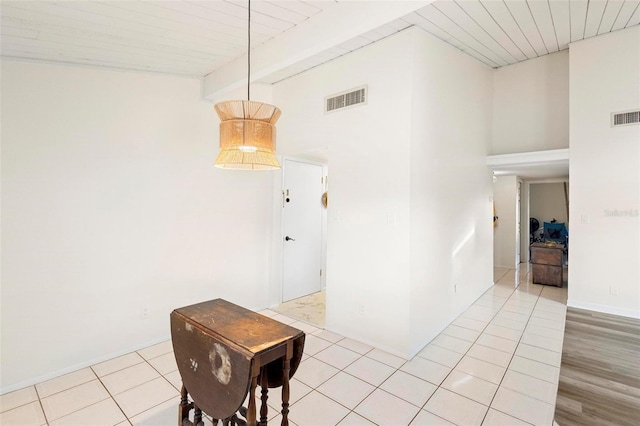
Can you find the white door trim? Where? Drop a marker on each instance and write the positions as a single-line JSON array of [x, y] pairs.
[[282, 220]]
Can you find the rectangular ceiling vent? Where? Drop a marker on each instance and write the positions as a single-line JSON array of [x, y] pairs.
[[625, 118], [346, 99]]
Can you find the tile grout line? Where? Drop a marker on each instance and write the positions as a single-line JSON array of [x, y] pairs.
[[376, 387], [112, 396], [350, 410], [399, 368], [506, 368], [438, 386], [44, 414], [68, 389], [467, 351], [552, 297], [160, 376], [512, 356], [464, 354], [109, 392], [420, 408]]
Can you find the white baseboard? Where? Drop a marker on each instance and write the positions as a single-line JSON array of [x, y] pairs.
[[606, 309], [457, 314], [433, 336], [349, 335], [70, 369]]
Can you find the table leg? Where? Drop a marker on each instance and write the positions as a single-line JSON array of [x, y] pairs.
[[197, 416], [285, 384], [184, 407], [251, 412], [264, 390]]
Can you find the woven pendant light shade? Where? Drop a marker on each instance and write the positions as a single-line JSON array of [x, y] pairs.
[[247, 135]]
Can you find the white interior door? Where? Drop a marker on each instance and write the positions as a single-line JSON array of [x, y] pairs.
[[302, 229]]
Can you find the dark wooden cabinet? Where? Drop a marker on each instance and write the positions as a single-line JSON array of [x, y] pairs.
[[547, 264]]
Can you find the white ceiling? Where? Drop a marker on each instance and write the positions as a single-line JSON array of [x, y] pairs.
[[208, 38], [178, 37], [201, 37], [531, 165], [535, 171]]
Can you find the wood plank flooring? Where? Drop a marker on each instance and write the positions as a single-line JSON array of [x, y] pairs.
[[600, 370]]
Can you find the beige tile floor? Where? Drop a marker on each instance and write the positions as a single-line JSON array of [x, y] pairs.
[[310, 309], [496, 364]]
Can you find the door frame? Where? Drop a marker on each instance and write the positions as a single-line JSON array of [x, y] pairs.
[[519, 188], [323, 231]]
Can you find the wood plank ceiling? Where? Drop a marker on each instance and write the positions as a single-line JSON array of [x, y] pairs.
[[195, 38], [177, 37], [500, 33]]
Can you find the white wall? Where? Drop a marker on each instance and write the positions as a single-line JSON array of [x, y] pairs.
[[451, 210], [605, 175], [505, 192], [110, 204], [368, 159], [399, 170], [531, 105]]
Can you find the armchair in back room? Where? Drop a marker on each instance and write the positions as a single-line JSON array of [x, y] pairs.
[[556, 231]]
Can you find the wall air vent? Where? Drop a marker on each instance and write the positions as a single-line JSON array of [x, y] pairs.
[[625, 118], [346, 99]]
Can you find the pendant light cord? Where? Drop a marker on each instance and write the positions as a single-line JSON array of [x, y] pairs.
[[249, 54]]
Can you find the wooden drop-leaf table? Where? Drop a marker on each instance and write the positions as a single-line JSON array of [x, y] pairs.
[[223, 352]]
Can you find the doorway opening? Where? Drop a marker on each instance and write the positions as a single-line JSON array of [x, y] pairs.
[[304, 230], [547, 213]]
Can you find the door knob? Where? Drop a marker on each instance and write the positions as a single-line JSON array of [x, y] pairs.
[[288, 238]]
